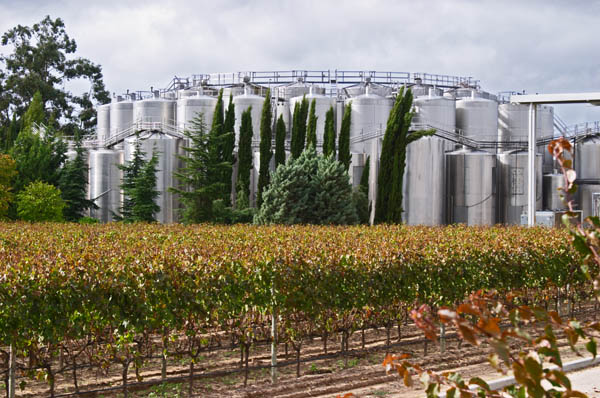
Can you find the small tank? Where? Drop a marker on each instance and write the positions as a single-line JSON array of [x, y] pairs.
[[471, 187], [103, 122], [121, 116], [104, 183], [514, 191], [322, 105], [370, 113], [477, 118], [188, 108], [242, 103]]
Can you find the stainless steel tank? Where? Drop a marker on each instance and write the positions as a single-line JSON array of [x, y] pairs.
[[189, 107], [513, 124], [104, 183], [121, 116], [424, 184], [297, 90], [552, 196], [283, 109], [370, 113], [422, 90], [167, 147], [367, 87], [545, 119], [357, 165], [243, 102], [435, 111], [103, 122], [154, 110], [322, 105], [514, 171], [477, 118], [587, 165], [471, 187]]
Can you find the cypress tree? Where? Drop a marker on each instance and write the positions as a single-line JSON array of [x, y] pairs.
[[304, 105], [131, 171], [311, 129], [266, 137], [329, 134], [344, 142], [218, 122], [299, 127], [228, 146], [144, 192], [364, 178], [397, 137], [280, 142], [245, 152], [73, 185]]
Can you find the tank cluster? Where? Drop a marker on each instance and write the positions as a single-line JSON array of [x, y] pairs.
[[473, 170]]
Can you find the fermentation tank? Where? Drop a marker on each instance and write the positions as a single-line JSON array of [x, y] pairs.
[[477, 118], [514, 172], [322, 105], [587, 163], [435, 111], [471, 187], [188, 108], [168, 148], [153, 111], [243, 102], [423, 90], [104, 183], [513, 126], [283, 109], [297, 90], [370, 113], [121, 116], [103, 122], [552, 196], [545, 119], [368, 88]]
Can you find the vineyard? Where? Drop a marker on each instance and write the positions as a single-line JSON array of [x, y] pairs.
[[129, 297]]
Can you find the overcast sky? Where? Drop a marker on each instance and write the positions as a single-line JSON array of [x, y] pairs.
[[537, 46]]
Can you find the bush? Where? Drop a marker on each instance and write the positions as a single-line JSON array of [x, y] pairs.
[[312, 189], [40, 202]]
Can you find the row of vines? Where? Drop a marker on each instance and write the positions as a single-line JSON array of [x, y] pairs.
[[105, 295]]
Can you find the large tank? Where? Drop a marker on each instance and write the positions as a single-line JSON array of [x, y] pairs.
[[322, 105], [370, 113], [167, 147], [424, 185], [587, 164], [103, 122], [514, 172], [154, 110], [552, 196], [121, 116], [435, 111], [477, 118], [297, 90], [513, 124], [104, 183], [188, 108], [243, 102], [471, 187], [422, 90]]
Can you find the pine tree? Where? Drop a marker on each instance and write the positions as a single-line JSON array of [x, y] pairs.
[[388, 208], [311, 129], [280, 142], [329, 134], [266, 137], [73, 185], [144, 193], [245, 152], [344, 142], [131, 171]]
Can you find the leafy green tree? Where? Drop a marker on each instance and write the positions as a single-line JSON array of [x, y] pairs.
[[40, 201], [344, 141], [266, 138], [299, 127], [311, 129], [41, 61], [311, 189], [280, 142], [244, 156], [8, 171], [144, 193], [329, 134], [388, 208], [73, 185], [200, 184]]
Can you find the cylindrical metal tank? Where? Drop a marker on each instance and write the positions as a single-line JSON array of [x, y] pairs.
[[121, 116], [477, 118], [283, 109], [552, 196], [424, 185], [189, 107], [322, 105], [513, 124], [421, 90], [103, 122], [167, 147], [242, 103], [154, 110], [104, 183], [514, 172], [587, 165], [435, 111], [370, 113], [298, 90], [471, 187], [545, 119]]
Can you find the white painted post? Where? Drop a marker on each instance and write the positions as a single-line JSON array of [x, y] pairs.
[[531, 161], [12, 365]]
